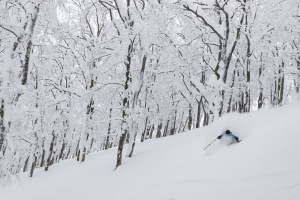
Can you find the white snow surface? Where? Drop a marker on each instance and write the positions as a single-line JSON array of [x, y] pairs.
[[264, 166]]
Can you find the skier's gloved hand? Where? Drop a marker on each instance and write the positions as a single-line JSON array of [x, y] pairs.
[[219, 137]]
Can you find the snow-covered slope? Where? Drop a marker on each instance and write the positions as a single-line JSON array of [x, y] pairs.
[[264, 166]]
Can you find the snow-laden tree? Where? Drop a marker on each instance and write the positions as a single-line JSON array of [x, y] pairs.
[[79, 76]]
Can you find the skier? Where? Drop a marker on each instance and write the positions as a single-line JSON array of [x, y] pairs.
[[228, 138]]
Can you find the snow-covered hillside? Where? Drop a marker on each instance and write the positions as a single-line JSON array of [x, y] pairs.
[[264, 166]]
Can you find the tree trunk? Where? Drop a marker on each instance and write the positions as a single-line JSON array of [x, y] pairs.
[[190, 118], [181, 125], [29, 45], [43, 158], [124, 126], [108, 130], [281, 84], [151, 131], [260, 97], [2, 128], [159, 127], [33, 165], [25, 168], [134, 106], [297, 81], [48, 162], [61, 154], [165, 134], [198, 114], [120, 148], [173, 128], [145, 129]]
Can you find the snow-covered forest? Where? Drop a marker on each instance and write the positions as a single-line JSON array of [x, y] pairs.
[[81, 76]]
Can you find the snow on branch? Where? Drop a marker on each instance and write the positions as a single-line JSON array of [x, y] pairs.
[[207, 21]]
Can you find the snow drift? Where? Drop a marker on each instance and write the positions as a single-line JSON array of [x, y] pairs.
[[265, 165]]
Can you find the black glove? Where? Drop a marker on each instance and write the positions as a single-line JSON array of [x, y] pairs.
[[219, 137], [237, 139]]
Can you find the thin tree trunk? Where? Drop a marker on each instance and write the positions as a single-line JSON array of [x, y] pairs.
[[145, 129], [173, 128], [29, 45], [198, 114], [61, 154], [25, 168], [281, 84], [125, 106], [151, 132], [159, 127], [135, 104], [48, 162], [260, 97], [181, 125], [43, 158], [108, 130], [190, 118], [166, 129], [297, 82], [2, 127], [33, 165], [120, 148]]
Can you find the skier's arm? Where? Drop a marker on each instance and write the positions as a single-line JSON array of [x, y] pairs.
[[237, 139]]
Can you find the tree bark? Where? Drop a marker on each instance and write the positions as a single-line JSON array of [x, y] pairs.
[[2, 127]]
